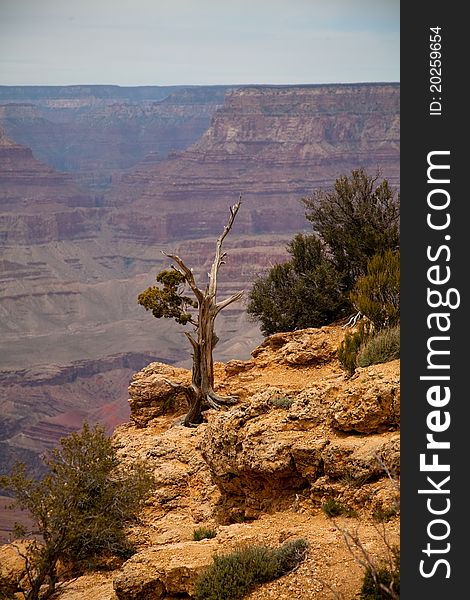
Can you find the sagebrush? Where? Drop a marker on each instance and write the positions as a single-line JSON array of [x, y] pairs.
[[382, 347], [203, 533], [351, 344], [233, 575], [377, 293]]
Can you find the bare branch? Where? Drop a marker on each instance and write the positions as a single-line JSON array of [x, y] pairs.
[[171, 383], [211, 403], [219, 256], [222, 399], [188, 274], [353, 320], [193, 342], [363, 557], [220, 305], [200, 394]]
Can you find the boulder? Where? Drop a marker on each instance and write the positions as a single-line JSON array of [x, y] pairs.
[[166, 570], [362, 458], [369, 402], [153, 395], [313, 346]]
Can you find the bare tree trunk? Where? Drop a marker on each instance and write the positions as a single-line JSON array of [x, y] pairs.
[[201, 395]]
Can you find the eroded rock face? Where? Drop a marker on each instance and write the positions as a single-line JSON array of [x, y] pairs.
[[362, 458], [277, 445], [73, 262], [152, 394], [368, 402], [93, 134], [289, 431], [183, 479], [257, 463], [260, 460], [258, 472], [307, 347], [13, 563]]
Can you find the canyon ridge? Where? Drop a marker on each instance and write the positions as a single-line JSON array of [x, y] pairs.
[[95, 181]]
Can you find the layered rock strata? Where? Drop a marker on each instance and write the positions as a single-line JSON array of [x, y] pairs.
[[97, 132], [73, 262]]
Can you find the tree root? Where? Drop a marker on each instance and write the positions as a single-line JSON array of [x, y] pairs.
[[225, 400], [209, 403], [211, 400]]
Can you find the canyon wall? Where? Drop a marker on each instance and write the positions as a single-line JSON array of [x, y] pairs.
[[75, 258], [102, 129]]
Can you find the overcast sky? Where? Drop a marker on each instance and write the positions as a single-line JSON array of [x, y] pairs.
[[169, 42]]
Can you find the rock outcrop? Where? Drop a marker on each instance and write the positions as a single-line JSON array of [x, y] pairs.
[[152, 395], [73, 262], [289, 438], [160, 572], [302, 434]]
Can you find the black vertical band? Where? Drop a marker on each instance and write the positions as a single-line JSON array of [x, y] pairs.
[[434, 323]]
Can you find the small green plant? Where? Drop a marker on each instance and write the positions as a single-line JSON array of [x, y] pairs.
[[281, 402], [350, 346], [203, 533], [383, 347], [382, 583], [377, 294], [290, 554], [334, 508], [237, 517], [233, 575], [382, 515]]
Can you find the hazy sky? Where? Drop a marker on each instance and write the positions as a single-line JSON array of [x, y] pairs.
[[167, 42]]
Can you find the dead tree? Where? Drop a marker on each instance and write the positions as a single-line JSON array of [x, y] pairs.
[[169, 301]]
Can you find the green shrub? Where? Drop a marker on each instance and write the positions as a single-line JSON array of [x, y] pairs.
[[233, 575], [203, 533], [306, 291], [382, 583], [382, 347], [80, 507], [281, 402], [377, 294], [357, 218], [290, 554], [332, 508]]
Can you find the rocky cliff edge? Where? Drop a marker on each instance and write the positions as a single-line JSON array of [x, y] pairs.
[[302, 434]]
